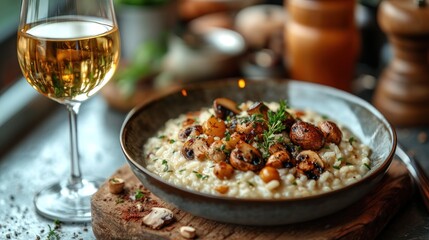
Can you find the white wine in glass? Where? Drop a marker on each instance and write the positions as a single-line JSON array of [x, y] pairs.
[[67, 51]]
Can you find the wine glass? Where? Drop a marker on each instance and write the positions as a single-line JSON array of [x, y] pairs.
[[67, 51]]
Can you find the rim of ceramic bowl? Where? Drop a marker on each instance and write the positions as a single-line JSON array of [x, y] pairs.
[[372, 174]]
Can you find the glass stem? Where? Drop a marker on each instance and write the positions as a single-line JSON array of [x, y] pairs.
[[75, 179]]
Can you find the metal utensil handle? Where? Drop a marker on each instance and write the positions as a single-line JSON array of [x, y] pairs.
[[420, 178]]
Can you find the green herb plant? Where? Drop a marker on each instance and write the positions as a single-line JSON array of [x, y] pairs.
[[146, 62]]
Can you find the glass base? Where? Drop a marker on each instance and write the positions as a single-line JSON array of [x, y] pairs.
[[66, 203]]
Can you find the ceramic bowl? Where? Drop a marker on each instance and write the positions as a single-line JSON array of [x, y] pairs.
[[212, 54], [358, 115]]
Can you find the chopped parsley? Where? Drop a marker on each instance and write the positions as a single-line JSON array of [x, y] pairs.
[[336, 167], [351, 140], [224, 149], [165, 163], [228, 119], [200, 176], [227, 136], [138, 195]]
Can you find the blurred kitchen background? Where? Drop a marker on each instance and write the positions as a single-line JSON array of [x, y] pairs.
[[168, 42]]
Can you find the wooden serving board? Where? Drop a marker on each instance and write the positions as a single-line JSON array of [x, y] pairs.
[[119, 217]]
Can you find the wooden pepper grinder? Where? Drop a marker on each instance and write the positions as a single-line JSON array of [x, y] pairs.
[[402, 94]]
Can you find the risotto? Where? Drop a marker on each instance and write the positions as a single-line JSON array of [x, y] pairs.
[[256, 150]]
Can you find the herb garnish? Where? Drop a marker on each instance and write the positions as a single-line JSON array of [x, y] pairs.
[[351, 140], [200, 176], [227, 136], [138, 195], [275, 125], [224, 149], [53, 234], [165, 163]]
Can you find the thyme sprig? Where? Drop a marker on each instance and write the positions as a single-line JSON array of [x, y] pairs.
[[53, 234], [275, 124]]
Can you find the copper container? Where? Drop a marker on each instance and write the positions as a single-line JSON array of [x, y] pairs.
[[322, 41]]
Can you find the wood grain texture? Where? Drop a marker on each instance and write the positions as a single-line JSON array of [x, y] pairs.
[[119, 217]]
